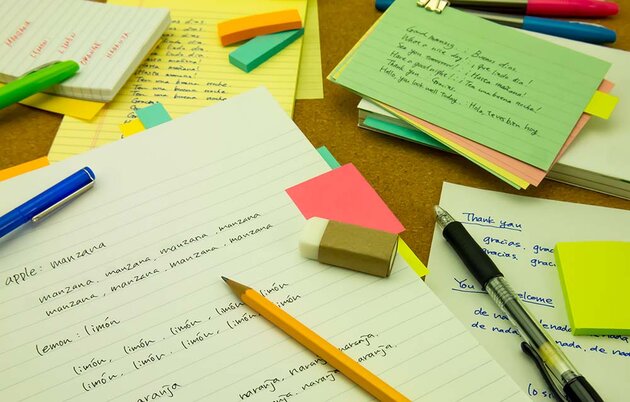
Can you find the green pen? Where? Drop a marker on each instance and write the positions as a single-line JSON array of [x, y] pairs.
[[36, 81]]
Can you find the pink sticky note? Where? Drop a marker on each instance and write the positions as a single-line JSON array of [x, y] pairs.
[[344, 195]]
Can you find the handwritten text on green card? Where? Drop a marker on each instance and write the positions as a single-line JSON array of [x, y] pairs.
[[494, 85]]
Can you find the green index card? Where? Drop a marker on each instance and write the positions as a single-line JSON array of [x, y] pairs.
[[492, 84]]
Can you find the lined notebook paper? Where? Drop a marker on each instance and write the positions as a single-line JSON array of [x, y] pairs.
[[519, 234], [122, 297], [188, 70], [108, 42]]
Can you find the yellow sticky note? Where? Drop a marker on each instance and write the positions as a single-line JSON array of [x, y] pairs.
[[130, 128], [594, 277], [411, 259], [187, 71], [23, 168], [601, 105], [79, 108]]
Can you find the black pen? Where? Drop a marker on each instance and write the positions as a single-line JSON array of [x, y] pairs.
[[554, 365]]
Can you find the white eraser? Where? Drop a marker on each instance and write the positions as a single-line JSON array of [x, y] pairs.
[[311, 237]]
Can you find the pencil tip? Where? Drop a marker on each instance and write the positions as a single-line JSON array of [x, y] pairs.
[[224, 278]]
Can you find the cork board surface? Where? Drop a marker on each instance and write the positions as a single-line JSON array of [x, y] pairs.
[[407, 176]]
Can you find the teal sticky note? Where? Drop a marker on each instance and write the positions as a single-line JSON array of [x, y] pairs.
[[260, 49], [153, 115], [410, 134], [328, 157]]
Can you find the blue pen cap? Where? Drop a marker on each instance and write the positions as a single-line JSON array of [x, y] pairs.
[[575, 30], [45, 200]]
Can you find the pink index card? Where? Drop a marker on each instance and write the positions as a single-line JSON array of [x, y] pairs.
[[344, 195], [518, 168]]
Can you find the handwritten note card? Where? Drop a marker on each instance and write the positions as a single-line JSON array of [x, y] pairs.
[[188, 70], [519, 235], [493, 85], [119, 296]]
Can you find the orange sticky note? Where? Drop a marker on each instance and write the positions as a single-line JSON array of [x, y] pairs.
[[240, 29], [344, 195], [23, 168]]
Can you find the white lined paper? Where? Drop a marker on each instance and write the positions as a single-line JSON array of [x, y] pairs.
[[194, 199], [107, 41]]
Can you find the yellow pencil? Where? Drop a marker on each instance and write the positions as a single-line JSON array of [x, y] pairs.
[[316, 344]]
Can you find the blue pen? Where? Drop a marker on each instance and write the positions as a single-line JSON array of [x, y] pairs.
[[582, 31], [48, 201]]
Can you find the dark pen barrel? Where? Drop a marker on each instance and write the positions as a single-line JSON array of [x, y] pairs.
[[477, 261]]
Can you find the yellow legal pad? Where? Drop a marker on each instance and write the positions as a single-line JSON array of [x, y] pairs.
[[594, 277]]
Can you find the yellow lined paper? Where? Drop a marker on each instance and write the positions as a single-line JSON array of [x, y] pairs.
[[187, 71], [310, 82]]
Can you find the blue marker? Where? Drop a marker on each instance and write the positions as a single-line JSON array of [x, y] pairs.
[[48, 201], [382, 5], [582, 31]]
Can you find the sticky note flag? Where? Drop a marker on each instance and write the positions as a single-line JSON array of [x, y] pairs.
[[239, 29], [23, 168], [403, 249], [328, 157], [344, 195], [594, 277], [404, 132], [79, 108], [260, 49], [130, 128], [153, 115], [601, 105], [412, 259]]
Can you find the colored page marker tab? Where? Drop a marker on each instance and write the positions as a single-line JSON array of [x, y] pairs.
[[412, 259], [153, 115], [601, 105], [130, 128], [23, 168], [344, 195], [260, 49], [240, 29], [328, 157]]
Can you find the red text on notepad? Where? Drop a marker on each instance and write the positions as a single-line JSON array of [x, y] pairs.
[[67, 41], [39, 48], [117, 45], [88, 56], [20, 31]]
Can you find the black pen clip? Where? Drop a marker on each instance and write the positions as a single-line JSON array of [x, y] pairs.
[[549, 379]]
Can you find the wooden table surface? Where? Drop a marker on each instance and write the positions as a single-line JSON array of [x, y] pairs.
[[407, 176]]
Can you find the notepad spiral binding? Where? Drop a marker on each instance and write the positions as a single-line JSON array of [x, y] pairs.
[[434, 5]]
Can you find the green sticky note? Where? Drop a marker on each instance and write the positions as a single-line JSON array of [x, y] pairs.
[[492, 84], [328, 157], [260, 49], [153, 115], [595, 277]]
